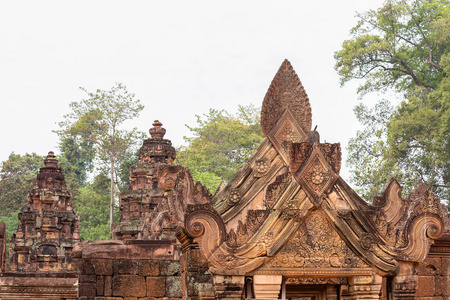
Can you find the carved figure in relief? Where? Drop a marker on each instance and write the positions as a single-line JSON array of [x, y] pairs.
[[316, 245]]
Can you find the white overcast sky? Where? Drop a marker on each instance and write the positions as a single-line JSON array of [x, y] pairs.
[[179, 57]]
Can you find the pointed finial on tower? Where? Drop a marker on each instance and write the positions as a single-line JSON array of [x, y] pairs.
[[157, 132], [286, 92], [50, 161]]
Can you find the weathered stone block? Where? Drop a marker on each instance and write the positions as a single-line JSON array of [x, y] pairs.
[[87, 278], [129, 285], [149, 268], [130, 298], [156, 286], [126, 266], [100, 285], [169, 268], [87, 289], [108, 298], [429, 267], [85, 267], [426, 286], [107, 290], [103, 266], [446, 266], [443, 285], [173, 287]]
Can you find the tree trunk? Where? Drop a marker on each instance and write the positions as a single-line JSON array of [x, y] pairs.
[[111, 205]]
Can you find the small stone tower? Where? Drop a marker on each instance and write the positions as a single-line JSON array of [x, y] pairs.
[[48, 229], [144, 194]]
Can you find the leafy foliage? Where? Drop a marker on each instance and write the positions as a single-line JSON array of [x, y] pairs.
[[17, 177], [404, 46], [92, 205], [398, 46], [96, 121], [221, 144]]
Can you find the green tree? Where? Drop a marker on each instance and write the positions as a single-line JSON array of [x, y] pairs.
[[399, 46], [221, 144], [98, 120], [17, 177], [403, 47], [92, 205]]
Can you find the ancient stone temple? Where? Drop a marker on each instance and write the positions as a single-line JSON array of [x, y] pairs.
[[144, 260], [48, 229], [41, 250], [287, 226], [144, 193]]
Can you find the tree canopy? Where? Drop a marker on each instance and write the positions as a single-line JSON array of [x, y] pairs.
[[404, 46], [221, 144], [17, 177], [97, 120]]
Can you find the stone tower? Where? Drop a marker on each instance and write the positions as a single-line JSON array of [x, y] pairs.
[[48, 229], [144, 194]]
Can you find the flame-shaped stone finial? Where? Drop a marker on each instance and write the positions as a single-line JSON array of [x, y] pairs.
[[286, 92]]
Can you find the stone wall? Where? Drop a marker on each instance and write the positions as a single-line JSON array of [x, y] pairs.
[[130, 279], [433, 278]]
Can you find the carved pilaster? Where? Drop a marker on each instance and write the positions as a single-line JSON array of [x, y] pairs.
[[229, 287], [404, 285], [365, 287], [332, 292]]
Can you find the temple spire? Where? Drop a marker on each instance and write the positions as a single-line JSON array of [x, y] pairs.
[[286, 92]]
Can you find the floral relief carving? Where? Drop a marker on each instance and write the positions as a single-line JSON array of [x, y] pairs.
[[234, 197], [261, 167]]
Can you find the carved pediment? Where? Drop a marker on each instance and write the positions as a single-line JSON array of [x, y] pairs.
[[315, 245]]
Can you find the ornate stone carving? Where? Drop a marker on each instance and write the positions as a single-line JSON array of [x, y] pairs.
[[234, 197], [285, 91], [275, 189], [316, 245], [144, 199], [245, 231], [48, 229], [311, 280], [261, 167]]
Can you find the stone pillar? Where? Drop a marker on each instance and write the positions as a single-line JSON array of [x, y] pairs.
[[365, 287], [267, 286], [404, 285], [229, 287]]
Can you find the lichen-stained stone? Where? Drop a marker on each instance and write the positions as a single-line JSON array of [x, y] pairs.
[[156, 286], [169, 268], [173, 287], [129, 285], [48, 229]]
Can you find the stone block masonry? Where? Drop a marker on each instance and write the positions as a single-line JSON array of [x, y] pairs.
[[127, 279]]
